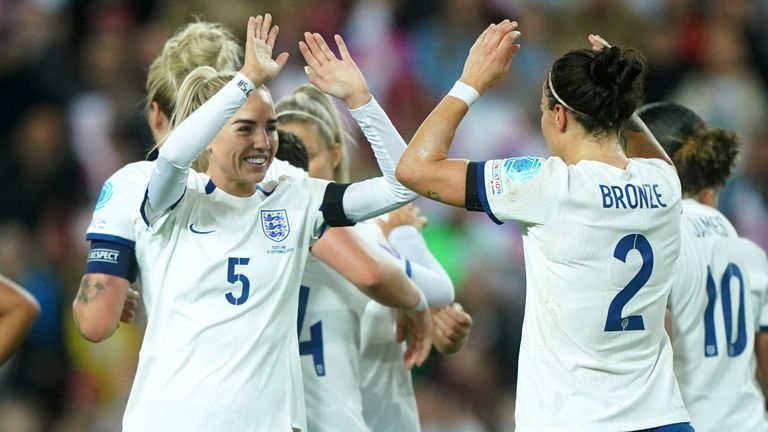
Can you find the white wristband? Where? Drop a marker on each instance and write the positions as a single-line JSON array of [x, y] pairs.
[[422, 301], [464, 92]]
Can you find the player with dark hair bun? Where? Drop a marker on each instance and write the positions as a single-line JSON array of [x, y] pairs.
[[600, 224], [718, 303], [292, 150]]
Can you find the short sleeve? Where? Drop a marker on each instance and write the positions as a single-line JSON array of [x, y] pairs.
[[523, 189], [117, 207], [316, 191]]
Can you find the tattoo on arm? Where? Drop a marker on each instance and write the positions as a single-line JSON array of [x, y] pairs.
[[433, 195], [89, 291]]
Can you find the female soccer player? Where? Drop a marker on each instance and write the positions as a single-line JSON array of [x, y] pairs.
[[331, 310], [221, 255], [18, 311], [600, 232], [104, 297], [721, 281]]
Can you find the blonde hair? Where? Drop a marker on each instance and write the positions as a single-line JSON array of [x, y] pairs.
[[196, 44], [199, 86], [309, 105]]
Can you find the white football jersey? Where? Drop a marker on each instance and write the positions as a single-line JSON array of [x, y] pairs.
[[600, 246], [330, 308], [331, 341], [714, 323], [220, 277], [389, 403]]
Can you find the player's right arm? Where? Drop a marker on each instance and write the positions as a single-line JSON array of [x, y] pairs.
[[376, 276], [18, 311], [385, 282], [98, 306], [104, 296]]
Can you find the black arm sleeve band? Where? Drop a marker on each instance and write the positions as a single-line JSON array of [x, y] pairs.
[[472, 194], [333, 205], [112, 258]]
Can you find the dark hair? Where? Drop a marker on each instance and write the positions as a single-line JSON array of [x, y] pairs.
[[704, 157], [292, 150], [602, 88]]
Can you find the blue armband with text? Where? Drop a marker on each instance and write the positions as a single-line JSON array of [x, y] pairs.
[[112, 258]]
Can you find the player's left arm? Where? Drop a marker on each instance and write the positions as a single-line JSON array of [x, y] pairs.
[[425, 167], [342, 79], [18, 311]]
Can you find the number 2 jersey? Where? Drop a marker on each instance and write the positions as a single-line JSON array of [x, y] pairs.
[[600, 247], [716, 307]]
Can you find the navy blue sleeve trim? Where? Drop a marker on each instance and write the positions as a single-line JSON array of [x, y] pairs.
[[110, 238], [333, 205], [146, 199], [471, 198], [763, 328], [475, 195], [408, 268], [112, 258]]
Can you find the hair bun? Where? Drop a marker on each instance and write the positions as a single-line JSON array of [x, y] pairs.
[[615, 69]]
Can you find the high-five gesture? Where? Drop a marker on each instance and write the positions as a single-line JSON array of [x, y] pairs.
[[490, 56], [259, 66], [337, 77]]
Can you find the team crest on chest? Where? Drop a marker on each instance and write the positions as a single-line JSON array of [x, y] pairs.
[[275, 224]]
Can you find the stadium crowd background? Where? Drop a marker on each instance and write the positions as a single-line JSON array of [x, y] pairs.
[[72, 80]]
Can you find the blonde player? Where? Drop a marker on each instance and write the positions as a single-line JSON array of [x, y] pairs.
[[330, 308], [111, 267], [601, 236], [219, 351], [722, 281]]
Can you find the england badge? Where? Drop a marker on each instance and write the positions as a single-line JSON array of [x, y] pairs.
[[275, 224]]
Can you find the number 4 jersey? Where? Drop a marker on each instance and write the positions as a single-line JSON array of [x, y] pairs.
[[715, 305], [600, 247]]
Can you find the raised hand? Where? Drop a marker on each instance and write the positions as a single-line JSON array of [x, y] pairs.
[[340, 78], [490, 56], [451, 327], [597, 42], [409, 214], [259, 66], [418, 327]]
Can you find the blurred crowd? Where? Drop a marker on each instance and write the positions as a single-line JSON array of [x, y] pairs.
[[72, 77]]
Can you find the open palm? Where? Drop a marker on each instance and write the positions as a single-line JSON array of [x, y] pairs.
[[340, 78], [259, 66]]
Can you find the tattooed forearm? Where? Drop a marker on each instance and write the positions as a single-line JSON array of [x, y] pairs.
[[433, 195], [89, 291]]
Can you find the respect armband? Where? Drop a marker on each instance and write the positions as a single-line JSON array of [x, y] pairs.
[[112, 258]]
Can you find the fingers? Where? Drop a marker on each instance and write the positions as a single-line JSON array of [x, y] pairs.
[[264, 30], [401, 332], [272, 36], [325, 50], [342, 48], [250, 32], [281, 60]]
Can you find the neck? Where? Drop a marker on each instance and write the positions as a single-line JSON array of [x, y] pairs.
[[234, 188], [601, 149]]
